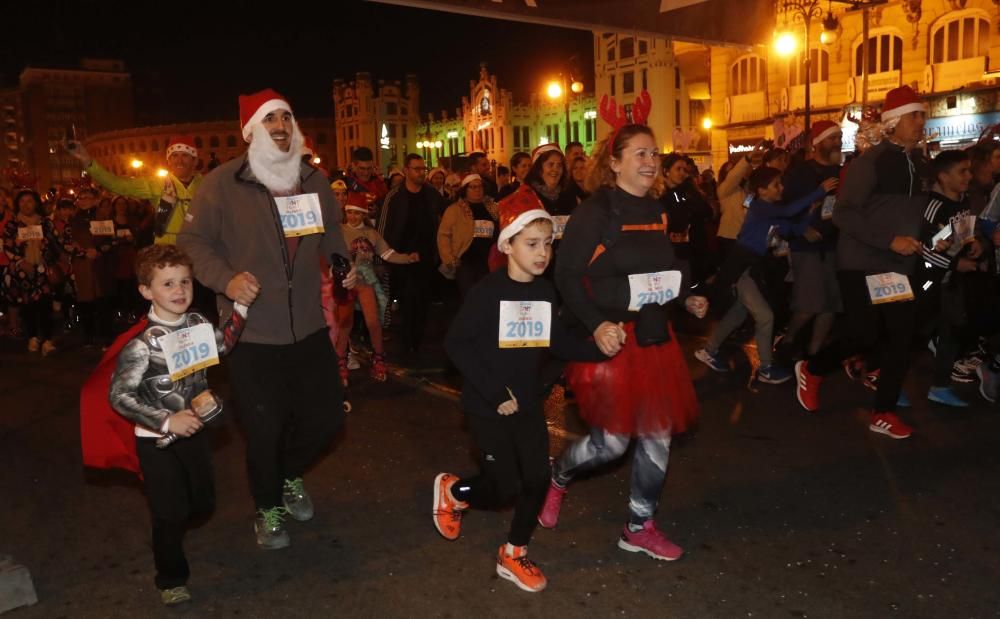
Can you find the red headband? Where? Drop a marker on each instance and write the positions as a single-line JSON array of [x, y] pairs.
[[616, 116]]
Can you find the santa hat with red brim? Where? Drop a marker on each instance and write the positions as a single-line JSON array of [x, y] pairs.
[[182, 144], [253, 109], [901, 101], [518, 210], [822, 130]]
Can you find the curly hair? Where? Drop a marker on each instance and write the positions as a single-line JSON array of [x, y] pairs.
[[159, 257], [599, 172]]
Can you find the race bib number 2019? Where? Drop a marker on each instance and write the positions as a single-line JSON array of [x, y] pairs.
[[659, 288], [525, 324], [889, 288], [189, 350], [300, 215]]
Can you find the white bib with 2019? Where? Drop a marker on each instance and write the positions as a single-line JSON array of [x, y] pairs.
[[300, 215], [660, 288], [102, 227], [188, 350], [482, 229], [889, 288], [525, 324], [29, 233]]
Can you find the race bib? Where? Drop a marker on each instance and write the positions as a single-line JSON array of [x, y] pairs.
[[782, 248], [482, 229], [104, 227], [123, 233], [29, 233], [559, 225], [964, 228], [827, 209], [525, 324], [659, 288], [679, 237], [889, 288], [189, 350], [300, 215]]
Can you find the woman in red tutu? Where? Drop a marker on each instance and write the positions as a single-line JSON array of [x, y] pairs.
[[616, 265]]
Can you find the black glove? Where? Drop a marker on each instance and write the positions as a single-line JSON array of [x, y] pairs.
[[651, 326]]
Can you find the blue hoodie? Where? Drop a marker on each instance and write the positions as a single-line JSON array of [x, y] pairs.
[[763, 214]]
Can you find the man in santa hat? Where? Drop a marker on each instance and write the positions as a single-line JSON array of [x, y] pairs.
[[815, 292], [879, 213], [173, 194], [256, 232]]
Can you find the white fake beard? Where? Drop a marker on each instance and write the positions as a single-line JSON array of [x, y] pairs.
[[275, 169]]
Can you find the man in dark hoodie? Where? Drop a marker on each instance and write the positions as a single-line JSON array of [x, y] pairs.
[[879, 214]]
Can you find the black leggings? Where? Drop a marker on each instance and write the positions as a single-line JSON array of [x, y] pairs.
[[514, 468], [37, 318], [179, 485], [885, 330]]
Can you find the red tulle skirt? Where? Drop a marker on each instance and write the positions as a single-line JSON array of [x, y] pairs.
[[640, 391]]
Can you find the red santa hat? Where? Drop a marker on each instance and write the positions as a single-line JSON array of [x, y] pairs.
[[823, 129], [356, 201], [182, 144], [517, 211], [253, 109], [901, 101], [541, 150]]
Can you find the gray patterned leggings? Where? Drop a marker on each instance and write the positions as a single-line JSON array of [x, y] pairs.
[[649, 466]]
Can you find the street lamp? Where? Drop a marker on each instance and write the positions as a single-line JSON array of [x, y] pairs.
[[560, 89], [161, 172], [706, 123], [136, 164], [785, 43]]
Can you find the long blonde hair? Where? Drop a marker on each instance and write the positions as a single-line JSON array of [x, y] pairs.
[[599, 172]]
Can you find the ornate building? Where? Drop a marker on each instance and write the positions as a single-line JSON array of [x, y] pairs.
[[142, 150], [942, 48], [386, 120]]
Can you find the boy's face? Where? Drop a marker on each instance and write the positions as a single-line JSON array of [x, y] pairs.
[[529, 251], [957, 178], [171, 291], [773, 191]]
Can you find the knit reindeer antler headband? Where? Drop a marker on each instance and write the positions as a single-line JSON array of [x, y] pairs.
[[616, 116]]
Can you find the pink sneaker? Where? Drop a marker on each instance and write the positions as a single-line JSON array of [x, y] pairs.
[[549, 516], [650, 541]]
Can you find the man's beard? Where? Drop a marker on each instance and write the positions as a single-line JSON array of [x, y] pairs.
[[277, 170]]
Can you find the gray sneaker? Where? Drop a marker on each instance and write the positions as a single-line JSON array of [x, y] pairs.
[[270, 530], [175, 596], [297, 500]]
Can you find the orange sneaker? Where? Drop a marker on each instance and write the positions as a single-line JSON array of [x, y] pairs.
[[447, 511], [519, 569]]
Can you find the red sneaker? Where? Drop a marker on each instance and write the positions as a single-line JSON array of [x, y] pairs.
[[549, 515], [890, 425], [651, 541], [870, 379], [807, 390], [447, 511], [378, 371]]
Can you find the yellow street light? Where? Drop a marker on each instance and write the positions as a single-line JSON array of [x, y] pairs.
[[438, 144], [554, 90], [161, 173], [420, 144], [577, 87], [706, 123], [136, 164], [317, 160], [785, 44]]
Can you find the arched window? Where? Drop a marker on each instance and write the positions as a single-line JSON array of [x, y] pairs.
[[627, 48], [198, 142], [142, 146], [231, 141], [819, 68], [213, 142], [885, 53], [748, 74], [155, 146], [960, 36]]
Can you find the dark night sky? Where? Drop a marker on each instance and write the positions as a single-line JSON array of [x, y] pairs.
[[190, 64]]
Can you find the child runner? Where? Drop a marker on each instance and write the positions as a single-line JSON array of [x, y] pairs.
[[744, 269], [177, 475], [365, 243], [499, 341]]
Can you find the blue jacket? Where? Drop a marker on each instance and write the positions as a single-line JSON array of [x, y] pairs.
[[763, 214]]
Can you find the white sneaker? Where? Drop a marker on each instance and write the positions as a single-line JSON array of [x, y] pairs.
[[34, 344], [352, 361]]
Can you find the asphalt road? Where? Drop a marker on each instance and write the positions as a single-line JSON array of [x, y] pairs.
[[782, 514]]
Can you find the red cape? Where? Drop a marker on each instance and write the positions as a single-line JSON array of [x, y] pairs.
[[106, 438]]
